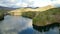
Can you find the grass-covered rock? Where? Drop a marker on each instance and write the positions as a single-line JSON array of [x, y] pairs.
[[47, 17]]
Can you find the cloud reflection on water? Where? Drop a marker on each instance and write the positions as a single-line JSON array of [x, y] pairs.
[[15, 24], [20, 25]]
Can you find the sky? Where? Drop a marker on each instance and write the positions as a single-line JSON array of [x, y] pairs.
[[28, 3]]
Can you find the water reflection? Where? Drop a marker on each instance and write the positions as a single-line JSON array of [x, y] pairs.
[[27, 31], [46, 27], [21, 25], [51, 31], [14, 24]]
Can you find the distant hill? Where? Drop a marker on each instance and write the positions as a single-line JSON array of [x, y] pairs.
[[6, 8], [34, 9], [27, 9], [4, 11]]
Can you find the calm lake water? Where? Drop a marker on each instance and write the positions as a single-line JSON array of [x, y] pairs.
[[20, 25]]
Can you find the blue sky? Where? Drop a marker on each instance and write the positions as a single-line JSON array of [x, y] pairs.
[[28, 3]]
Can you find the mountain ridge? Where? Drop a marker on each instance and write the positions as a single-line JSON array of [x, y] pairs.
[[6, 8]]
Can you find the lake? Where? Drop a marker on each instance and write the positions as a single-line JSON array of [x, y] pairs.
[[21, 25]]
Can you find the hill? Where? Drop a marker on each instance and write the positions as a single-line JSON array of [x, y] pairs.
[[47, 17], [27, 9], [4, 10]]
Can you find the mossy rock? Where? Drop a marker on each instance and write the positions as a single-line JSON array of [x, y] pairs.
[[47, 17]]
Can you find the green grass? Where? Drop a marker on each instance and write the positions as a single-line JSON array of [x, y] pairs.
[[2, 11], [29, 14], [49, 16], [44, 17]]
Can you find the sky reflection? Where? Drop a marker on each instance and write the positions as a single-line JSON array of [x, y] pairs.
[[15, 24]]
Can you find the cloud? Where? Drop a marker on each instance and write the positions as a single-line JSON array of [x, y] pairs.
[[28, 3], [40, 3], [12, 0], [21, 4], [56, 2]]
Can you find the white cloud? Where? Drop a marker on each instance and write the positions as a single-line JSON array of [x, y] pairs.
[[28, 3], [12, 0], [18, 4], [24, 5], [58, 1], [40, 3], [31, 0]]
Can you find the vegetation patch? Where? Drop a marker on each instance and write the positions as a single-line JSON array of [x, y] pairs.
[[2, 14], [47, 17], [29, 14]]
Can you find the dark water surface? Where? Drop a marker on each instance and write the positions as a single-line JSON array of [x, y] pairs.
[[21, 25]]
